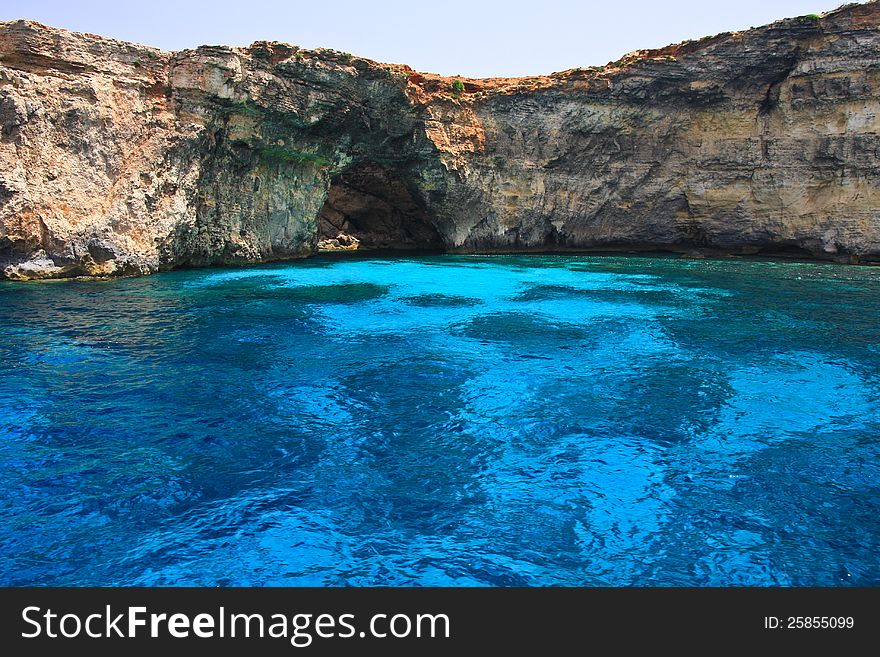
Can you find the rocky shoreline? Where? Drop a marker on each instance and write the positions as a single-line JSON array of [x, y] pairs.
[[120, 159]]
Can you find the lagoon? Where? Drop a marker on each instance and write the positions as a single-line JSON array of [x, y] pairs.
[[445, 420]]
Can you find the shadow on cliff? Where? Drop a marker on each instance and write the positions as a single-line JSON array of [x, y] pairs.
[[369, 207]]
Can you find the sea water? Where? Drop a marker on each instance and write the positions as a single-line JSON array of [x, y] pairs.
[[446, 420]]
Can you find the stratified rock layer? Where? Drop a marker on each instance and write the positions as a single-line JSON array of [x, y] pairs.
[[117, 158]]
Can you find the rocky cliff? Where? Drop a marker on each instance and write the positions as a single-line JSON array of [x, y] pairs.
[[117, 158]]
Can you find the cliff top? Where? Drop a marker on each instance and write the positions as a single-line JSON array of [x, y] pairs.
[[79, 51]]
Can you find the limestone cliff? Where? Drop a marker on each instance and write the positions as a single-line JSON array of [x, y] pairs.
[[117, 158]]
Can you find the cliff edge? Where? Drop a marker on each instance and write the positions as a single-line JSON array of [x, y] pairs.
[[117, 158]]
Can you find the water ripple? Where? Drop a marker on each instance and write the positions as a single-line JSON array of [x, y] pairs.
[[503, 420]]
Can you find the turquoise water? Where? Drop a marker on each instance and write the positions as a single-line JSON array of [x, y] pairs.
[[447, 420]]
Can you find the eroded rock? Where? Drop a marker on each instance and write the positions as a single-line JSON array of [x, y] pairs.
[[121, 159]]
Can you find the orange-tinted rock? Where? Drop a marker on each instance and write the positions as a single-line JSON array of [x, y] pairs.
[[117, 158]]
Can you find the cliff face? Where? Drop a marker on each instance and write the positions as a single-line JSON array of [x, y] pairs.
[[118, 159]]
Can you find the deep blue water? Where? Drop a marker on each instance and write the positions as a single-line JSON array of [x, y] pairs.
[[449, 420]]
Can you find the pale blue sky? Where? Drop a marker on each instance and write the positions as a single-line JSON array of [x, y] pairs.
[[452, 37]]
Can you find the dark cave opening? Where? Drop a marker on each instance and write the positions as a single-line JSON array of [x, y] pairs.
[[370, 208]]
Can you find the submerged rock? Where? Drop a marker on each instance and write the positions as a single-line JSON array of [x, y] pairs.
[[117, 158]]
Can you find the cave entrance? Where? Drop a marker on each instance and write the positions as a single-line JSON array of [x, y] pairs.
[[370, 208]]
